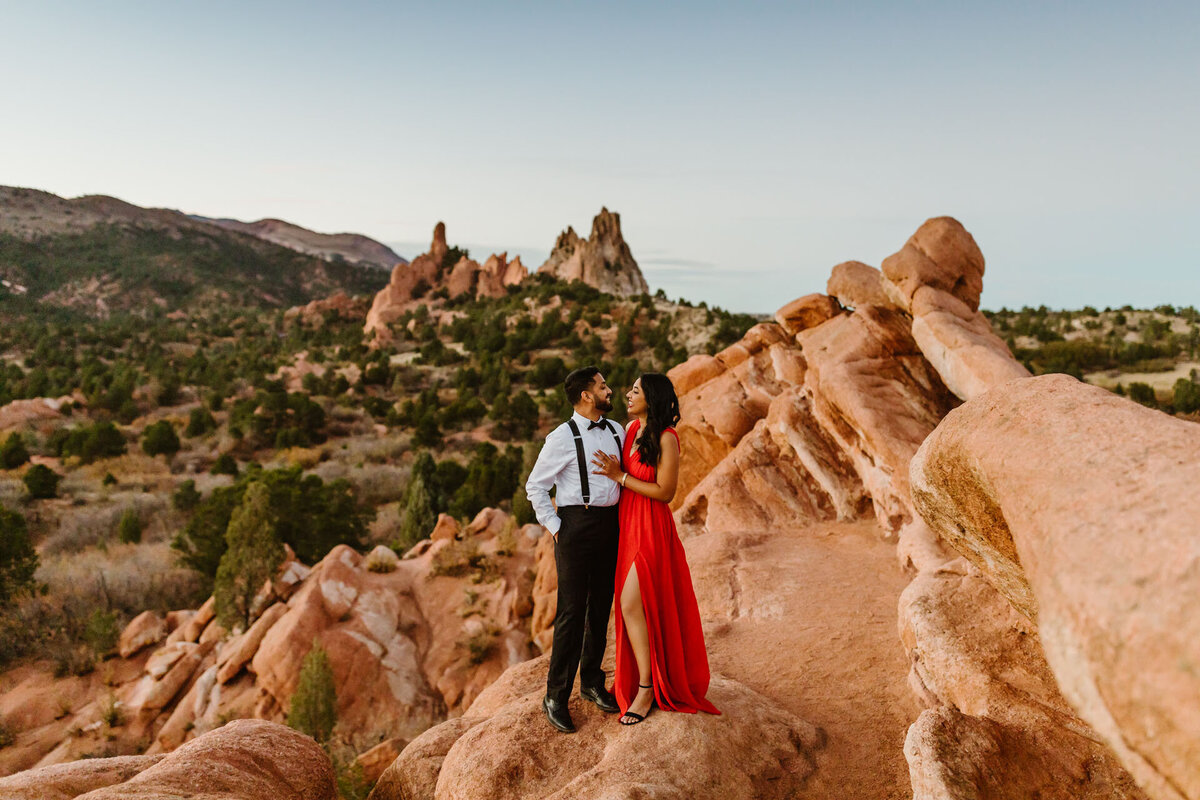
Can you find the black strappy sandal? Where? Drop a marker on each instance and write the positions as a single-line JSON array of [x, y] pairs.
[[638, 717]]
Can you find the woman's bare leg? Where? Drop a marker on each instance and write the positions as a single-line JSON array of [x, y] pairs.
[[639, 639]]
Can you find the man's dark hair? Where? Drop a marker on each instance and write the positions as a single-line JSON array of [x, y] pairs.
[[578, 382]]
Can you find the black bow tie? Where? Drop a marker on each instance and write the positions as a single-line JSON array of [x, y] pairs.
[[601, 423]]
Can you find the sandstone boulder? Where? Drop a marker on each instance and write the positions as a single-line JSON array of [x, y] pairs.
[[807, 312], [505, 749], [143, 630], [246, 759], [1079, 507], [70, 780], [856, 284], [941, 255], [953, 756]]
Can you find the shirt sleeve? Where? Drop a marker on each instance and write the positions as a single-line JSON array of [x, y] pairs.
[[550, 462]]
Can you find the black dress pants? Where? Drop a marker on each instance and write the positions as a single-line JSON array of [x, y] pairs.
[[586, 556]]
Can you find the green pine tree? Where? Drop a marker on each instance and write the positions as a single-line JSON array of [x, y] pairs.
[[13, 454], [18, 559], [314, 703], [416, 516], [252, 553]]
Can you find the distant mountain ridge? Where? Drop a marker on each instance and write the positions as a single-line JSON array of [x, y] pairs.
[[99, 254], [352, 247]]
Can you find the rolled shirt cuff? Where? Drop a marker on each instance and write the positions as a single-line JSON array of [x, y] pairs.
[[553, 524]]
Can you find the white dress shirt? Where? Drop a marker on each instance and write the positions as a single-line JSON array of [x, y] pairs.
[[558, 465]]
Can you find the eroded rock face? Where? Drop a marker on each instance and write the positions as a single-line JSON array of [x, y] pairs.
[[937, 277], [602, 260], [66, 781], [1080, 508], [807, 312], [953, 756], [505, 749], [409, 283], [722, 397], [247, 759], [941, 255], [856, 284], [874, 393]]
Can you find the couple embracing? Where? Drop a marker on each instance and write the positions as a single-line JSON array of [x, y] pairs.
[[614, 536]]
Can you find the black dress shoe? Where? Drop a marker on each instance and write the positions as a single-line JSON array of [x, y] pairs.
[[602, 698], [558, 715]]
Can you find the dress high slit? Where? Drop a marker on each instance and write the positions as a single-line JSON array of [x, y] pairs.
[[650, 544]]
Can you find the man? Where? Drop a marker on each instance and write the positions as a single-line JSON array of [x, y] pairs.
[[584, 528]]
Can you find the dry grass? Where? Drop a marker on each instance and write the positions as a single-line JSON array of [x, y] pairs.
[[127, 578], [80, 527]]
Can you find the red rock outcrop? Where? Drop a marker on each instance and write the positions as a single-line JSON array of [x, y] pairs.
[[937, 277], [807, 312], [37, 412], [721, 397], [1079, 507], [408, 641], [409, 284], [856, 284], [243, 760], [602, 260], [503, 748], [877, 397]]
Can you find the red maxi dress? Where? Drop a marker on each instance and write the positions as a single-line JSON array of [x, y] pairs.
[[650, 544]]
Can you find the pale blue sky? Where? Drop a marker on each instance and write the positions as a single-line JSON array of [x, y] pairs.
[[748, 147]]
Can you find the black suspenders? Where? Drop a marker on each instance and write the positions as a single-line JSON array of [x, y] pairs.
[[583, 470]]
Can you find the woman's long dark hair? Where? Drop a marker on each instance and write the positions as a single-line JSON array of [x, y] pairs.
[[662, 412]]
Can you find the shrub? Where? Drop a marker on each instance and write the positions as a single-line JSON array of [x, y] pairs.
[[225, 464], [479, 646], [102, 633], [18, 559], [109, 479], [186, 497], [314, 703], [42, 482], [160, 439], [110, 711], [200, 422], [7, 736], [129, 529], [13, 454], [102, 440], [1142, 393], [252, 553], [379, 563], [1186, 396]]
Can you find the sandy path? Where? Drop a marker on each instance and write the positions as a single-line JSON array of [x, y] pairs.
[[807, 617]]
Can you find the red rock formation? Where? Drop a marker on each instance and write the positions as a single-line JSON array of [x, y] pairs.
[[722, 397], [856, 284], [409, 284], [1079, 507], [937, 276], [807, 312], [602, 260]]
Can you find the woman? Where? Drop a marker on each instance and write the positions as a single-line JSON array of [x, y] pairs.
[[660, 644]]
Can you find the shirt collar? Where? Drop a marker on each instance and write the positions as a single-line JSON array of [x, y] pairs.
[[583, 421]]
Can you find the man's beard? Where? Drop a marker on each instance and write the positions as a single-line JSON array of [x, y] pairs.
[[603, 406]]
